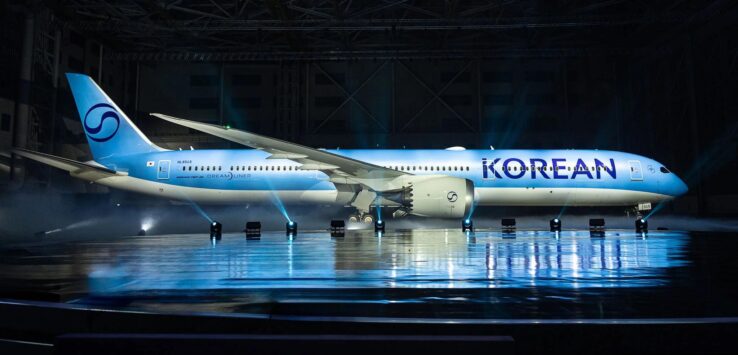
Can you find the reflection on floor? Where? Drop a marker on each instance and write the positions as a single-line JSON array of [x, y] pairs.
[[480, 274]]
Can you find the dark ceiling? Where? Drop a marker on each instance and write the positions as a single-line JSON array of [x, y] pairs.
[[203, 30]]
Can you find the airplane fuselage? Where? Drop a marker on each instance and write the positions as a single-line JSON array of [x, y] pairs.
[[500, 177]]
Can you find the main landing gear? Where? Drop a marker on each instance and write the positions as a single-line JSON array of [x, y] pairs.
[[365, 218]]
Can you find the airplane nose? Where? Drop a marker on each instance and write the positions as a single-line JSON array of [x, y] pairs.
[[680, 188]]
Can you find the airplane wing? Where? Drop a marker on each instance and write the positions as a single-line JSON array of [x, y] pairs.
[[84, 170], [311, 159]]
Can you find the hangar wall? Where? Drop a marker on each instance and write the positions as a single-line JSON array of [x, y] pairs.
[[672, 99]]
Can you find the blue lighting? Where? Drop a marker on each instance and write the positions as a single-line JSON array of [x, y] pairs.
[[658, 207], [569, 262], [280, 206], [379, 213], [201, 211]]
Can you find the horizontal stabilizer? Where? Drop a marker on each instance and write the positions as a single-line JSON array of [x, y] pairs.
[[84, 170]]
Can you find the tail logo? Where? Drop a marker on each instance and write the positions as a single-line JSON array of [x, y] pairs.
[[101, 122]]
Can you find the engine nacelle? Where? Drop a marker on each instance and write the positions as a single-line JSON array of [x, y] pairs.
[[435, 196]]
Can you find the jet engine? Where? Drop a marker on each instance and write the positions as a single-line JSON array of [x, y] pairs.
[[434, 196]]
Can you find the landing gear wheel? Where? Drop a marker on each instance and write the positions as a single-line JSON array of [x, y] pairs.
[[367, 219], [354, 218]]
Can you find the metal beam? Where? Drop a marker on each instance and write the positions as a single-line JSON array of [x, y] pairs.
[[311, 12], [220, 8], [350, 97], [436, 96]]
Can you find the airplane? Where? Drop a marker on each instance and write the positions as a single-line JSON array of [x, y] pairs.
[[445, 183]]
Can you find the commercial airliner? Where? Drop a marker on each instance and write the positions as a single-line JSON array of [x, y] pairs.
[[432, 183]]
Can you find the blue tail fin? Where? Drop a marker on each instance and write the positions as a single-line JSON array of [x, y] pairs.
[[109, 131]]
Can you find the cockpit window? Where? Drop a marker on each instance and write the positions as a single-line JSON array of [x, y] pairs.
[[664, 170]]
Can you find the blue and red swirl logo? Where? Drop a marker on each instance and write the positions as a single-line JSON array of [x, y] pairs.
[[101, 122]]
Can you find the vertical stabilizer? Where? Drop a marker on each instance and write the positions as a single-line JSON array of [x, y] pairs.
[[109, 131]]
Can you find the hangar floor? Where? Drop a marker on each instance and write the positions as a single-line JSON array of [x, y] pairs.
[[442, 274]]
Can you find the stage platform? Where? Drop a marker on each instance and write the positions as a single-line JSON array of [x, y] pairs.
[[669, 284]]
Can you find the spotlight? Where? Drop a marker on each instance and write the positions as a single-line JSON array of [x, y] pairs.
[[641, 225], [467, 225], [597, 227], [555, 225], [253, 229], [508, 224], [597, 224], [379, 226], [338, 228], [291, 227], [141, 233], [216, 230]]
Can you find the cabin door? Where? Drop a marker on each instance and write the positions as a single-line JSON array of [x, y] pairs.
[[636, 173], [163, 170]]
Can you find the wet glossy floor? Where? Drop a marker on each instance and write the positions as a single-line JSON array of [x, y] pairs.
[[421, 273]]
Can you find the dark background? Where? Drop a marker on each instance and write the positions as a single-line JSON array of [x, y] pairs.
[[657, 78]]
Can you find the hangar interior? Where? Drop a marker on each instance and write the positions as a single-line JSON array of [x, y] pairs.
[[655, 78]]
